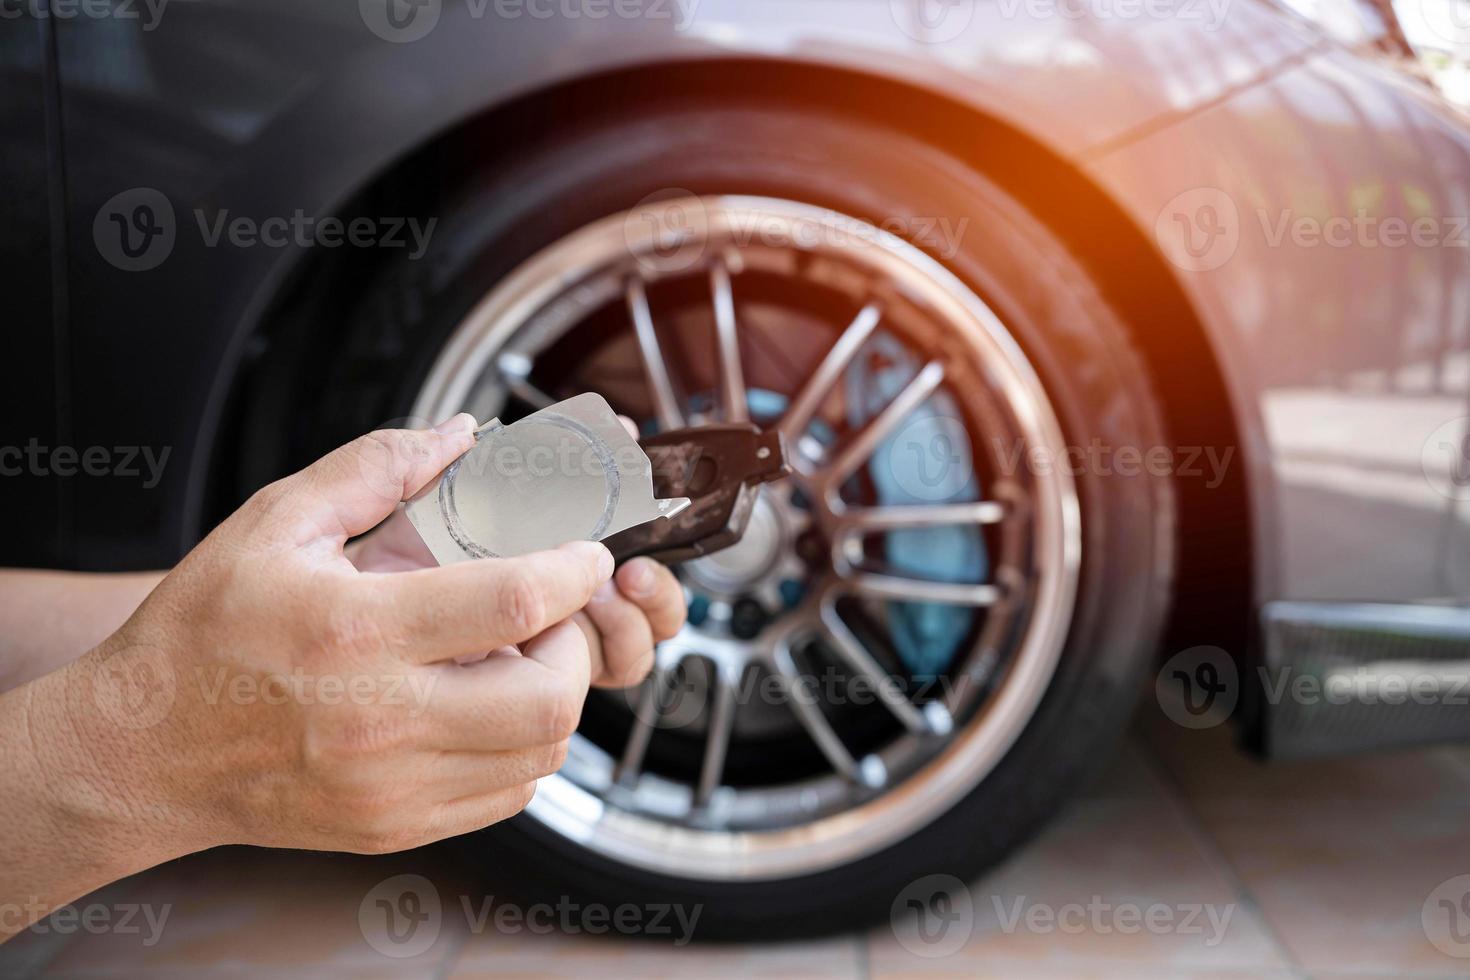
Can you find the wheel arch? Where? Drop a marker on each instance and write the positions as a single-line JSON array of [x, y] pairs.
[[1212, 599]]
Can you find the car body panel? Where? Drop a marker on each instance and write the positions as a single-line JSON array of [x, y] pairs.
[[1344, 361]]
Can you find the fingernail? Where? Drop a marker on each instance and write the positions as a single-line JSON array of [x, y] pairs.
[[463, 422], [604, 557], [638, 578], [604, 562]]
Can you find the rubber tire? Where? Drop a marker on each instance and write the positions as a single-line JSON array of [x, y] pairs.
[[1081, 350]]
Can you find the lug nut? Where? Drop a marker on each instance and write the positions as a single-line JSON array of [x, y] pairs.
[[747, 619]]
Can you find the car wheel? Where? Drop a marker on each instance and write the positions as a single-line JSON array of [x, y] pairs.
[[934, 631]]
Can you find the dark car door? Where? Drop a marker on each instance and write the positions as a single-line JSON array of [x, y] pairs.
[[31, 404]]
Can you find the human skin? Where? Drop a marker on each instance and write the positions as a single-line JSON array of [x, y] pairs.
[[298, 682]]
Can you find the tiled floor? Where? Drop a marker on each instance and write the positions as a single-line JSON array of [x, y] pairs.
[[1188, 860]]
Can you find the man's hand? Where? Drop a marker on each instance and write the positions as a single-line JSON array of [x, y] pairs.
[[270, 691], [625, 618], [645, 603]]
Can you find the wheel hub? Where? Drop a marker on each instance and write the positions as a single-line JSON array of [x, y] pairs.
[[738, 569]]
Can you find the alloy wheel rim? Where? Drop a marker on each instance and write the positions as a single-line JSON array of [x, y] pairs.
[[698, 827]]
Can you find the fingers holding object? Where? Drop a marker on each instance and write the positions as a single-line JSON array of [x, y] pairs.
[[469, 607], [619, 638], [511, 702], [352, 489], [653, 588]]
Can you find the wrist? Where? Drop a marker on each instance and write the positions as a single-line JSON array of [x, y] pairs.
[[52, 618], [100, 766]]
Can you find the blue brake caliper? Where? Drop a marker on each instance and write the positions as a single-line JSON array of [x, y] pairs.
[[925, 461]]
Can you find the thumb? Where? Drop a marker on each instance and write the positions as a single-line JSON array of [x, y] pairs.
[[357, 486]]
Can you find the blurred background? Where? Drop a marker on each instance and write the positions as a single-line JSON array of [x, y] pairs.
[[1114, 618]]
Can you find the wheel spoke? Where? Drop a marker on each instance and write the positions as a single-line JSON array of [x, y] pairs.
[[812, 719], [717, 740], [877, 586], [869, 520], [852, 524], [804, 406], [865, 443], [858, 658], [645, 718], [665, 403], [727, 343], [514, 369]]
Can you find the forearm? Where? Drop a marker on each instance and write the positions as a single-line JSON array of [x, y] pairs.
[[48, 619], [75, 794]]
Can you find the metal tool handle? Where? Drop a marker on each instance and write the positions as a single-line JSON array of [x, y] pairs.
[[719, 468]]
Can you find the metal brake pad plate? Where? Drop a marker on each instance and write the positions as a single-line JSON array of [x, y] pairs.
[[568, 472]]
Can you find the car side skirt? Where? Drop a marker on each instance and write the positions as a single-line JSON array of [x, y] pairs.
[[1335, 678]]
